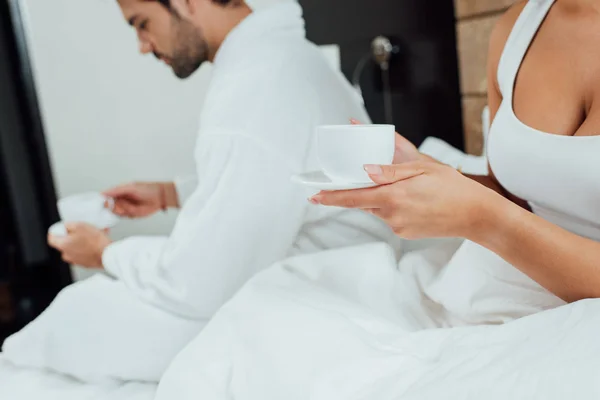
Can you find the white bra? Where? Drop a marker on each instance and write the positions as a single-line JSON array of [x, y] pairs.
[[558, 175]]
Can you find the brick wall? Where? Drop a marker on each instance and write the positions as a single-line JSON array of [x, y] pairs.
[[475, 21]]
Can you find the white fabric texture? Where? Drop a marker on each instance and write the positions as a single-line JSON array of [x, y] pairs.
[[347, 325], [185, 187], [99, 332], [270, 89], [31, 384], [452, 321]]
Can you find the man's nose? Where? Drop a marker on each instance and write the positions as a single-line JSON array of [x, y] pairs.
[[145, 47]]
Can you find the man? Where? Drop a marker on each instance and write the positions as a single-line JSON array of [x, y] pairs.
[[270, 89]]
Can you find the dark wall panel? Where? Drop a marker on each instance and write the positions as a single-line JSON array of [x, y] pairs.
[[30, 273], [424, 75]]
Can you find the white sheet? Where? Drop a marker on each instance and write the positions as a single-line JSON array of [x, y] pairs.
[[347, 325], [98, 331], [28, 384]]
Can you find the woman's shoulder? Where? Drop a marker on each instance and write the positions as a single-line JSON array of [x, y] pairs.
[[499, 38], [504, 27]]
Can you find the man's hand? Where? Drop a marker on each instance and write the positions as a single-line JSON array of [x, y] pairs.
[[84, 245], [137, 200]]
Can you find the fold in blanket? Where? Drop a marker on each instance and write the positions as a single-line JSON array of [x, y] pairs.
[[314, 328], [33, 384]]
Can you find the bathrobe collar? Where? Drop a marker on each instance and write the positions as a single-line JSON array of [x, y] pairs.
[[280, 19]]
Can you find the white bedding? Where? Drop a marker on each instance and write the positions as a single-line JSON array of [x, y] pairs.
[[98, 331], [225, 363], [347, 325], [30, 384]]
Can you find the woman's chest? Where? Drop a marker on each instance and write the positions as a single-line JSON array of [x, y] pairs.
[[559, 172]]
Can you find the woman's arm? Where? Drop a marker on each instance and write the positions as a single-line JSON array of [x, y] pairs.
[[566, 264], [424, 200], [491, 182]]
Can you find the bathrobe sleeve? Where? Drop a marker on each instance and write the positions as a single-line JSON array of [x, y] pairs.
[[185, 186], [243, 216]]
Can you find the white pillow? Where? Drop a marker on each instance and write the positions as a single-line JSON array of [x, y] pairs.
[[97, 331]]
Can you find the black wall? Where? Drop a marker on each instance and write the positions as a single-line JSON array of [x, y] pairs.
[[33, 272], [424, 76]]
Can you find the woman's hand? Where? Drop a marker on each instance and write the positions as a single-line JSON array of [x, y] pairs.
[[420, 199], [137, 200]]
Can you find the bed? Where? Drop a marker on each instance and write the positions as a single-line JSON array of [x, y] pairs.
[[44, 342], [372, 345]]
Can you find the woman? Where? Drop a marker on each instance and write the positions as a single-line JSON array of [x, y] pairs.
[[532, 230]]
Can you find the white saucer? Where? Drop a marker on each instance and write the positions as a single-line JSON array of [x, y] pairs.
[[318, 180]]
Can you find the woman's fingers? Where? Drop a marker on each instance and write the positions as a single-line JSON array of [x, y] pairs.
[[373, 198], [360, 198], [388, 174]]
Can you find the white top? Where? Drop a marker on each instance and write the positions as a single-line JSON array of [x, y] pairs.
[[556, 174], [270, 89]]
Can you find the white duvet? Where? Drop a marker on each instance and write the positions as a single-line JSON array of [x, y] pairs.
[[302, 331], [31, 384], [348, 325]]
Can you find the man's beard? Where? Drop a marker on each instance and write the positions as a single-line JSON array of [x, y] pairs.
[[190, 49]]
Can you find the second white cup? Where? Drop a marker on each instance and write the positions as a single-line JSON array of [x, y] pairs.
[[88, 208]]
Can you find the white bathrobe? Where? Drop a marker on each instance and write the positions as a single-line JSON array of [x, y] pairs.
[[270, 89]]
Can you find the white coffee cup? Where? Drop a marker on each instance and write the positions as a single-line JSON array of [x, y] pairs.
[[89, 208], [344, 150]]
